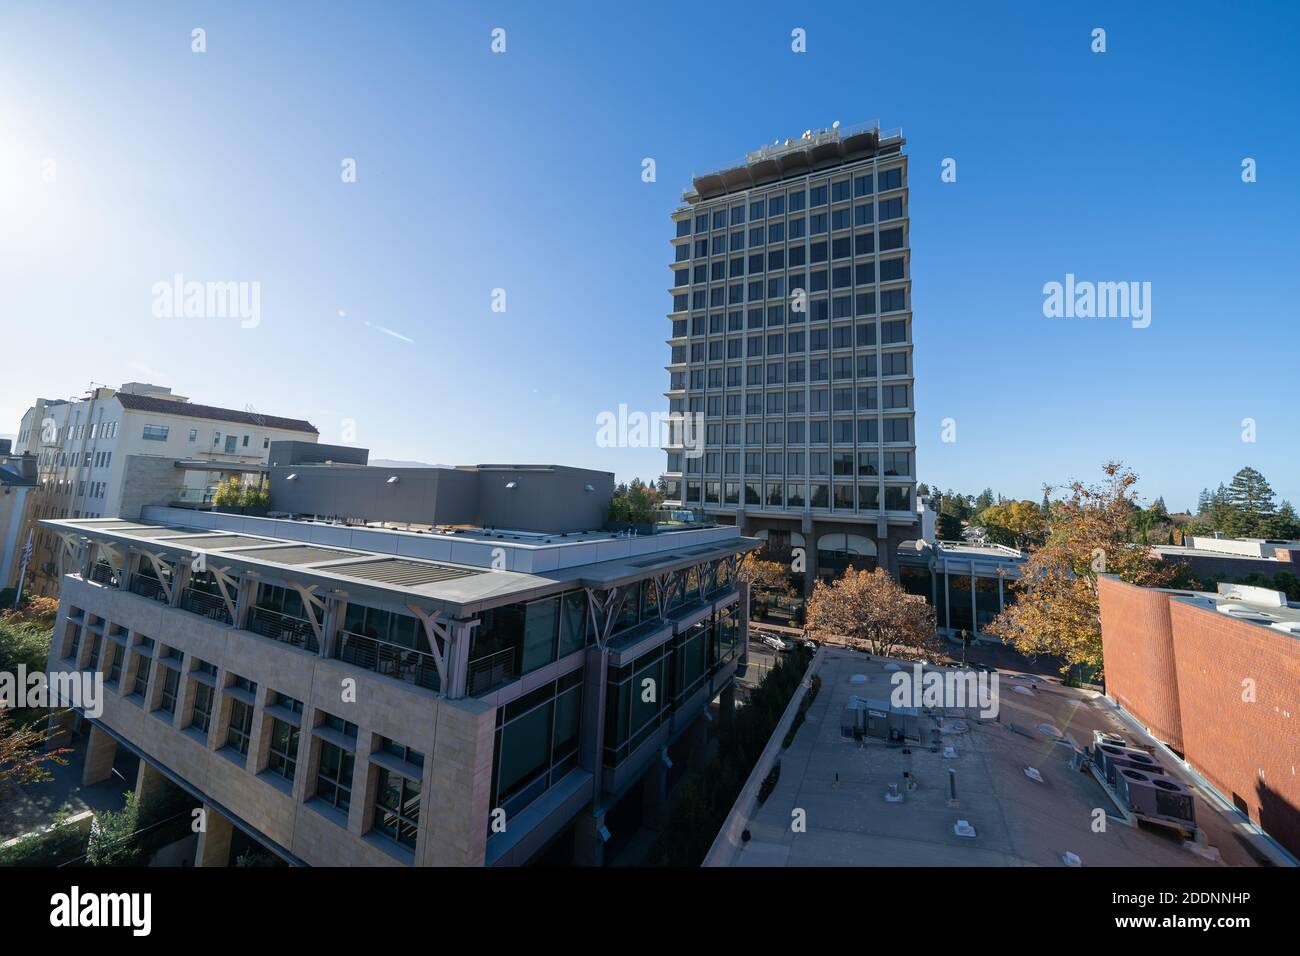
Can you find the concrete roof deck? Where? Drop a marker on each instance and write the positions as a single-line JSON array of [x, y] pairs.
[[1018, 821], [450, 570]]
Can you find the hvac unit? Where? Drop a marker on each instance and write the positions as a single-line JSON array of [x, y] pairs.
[[1156, 796], [1109, 758]]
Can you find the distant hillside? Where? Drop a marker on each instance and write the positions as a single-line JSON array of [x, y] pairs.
[[394, 463]]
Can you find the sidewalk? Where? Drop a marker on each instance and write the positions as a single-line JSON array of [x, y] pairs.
[[33, 806]]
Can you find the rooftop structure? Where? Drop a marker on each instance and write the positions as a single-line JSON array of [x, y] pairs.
[[1215, 559], [868, 800], [526, 498], [815, 149]]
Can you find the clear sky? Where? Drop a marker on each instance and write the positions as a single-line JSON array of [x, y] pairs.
[[522, 171]]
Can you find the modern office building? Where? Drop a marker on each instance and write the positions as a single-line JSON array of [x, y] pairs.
[[359, 694], [1216, 678], [792, 342], [967, 583], [106, 453]]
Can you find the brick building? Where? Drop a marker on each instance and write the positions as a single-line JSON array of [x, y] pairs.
[[1217, 678]]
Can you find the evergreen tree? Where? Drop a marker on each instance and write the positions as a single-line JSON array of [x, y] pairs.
[[1251, 508], [1285, 523]]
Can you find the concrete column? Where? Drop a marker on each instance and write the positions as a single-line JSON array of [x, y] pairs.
[[727, 707], [244, 600], [181, 575], [150, 783], [457, 660], [459, 800], [214, 839], [101, 751], [336, 610], [974, 609], [655, 793], [588, 843], [948, 602]]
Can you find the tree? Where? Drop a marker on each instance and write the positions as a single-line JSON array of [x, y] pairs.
[[984, 500], [22, 757], [1285, 523], [113, 836], [763, 575], [1017, 524], [873, 613], [948, 527], [1251, 509], [229, 493], [634, 503], [1056, 610]]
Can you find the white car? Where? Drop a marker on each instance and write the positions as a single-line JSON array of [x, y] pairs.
[[774, 642]]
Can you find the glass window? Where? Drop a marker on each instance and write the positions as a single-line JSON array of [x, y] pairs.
[[397, 807]]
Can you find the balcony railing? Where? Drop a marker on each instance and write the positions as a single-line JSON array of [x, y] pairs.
[[394, 660], [102, 573], [210, 606], [283, 628], [148, 587], [491, 671]]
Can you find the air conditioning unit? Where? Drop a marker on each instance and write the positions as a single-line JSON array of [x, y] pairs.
[[1155, 795], [1109, 758]]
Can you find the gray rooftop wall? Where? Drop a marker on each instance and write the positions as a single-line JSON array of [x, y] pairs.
[[550, 499]]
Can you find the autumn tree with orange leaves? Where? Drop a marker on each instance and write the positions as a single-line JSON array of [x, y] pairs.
[[874, 614], [1088, 534]]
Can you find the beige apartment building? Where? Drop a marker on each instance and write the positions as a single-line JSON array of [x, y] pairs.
[[114, 450]]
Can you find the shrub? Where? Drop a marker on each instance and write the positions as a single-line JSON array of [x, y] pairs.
[[112, 836], [705, 801]]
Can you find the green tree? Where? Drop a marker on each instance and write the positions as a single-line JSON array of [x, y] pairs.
[[113, 836], [1251, 509], [634, 503], [1285, 523], [948, 527]]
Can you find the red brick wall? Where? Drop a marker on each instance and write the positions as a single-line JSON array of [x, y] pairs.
[[1139, 656], [1249, 751]]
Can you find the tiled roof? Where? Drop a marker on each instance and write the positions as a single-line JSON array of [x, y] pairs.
[[165, 406]]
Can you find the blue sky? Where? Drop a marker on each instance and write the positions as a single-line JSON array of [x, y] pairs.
[[522, 171]]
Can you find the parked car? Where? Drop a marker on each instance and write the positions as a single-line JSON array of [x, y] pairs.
[[774, 642], [808, 644]]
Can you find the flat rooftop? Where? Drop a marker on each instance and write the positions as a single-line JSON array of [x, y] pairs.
[[464, 571], [841, 785]]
